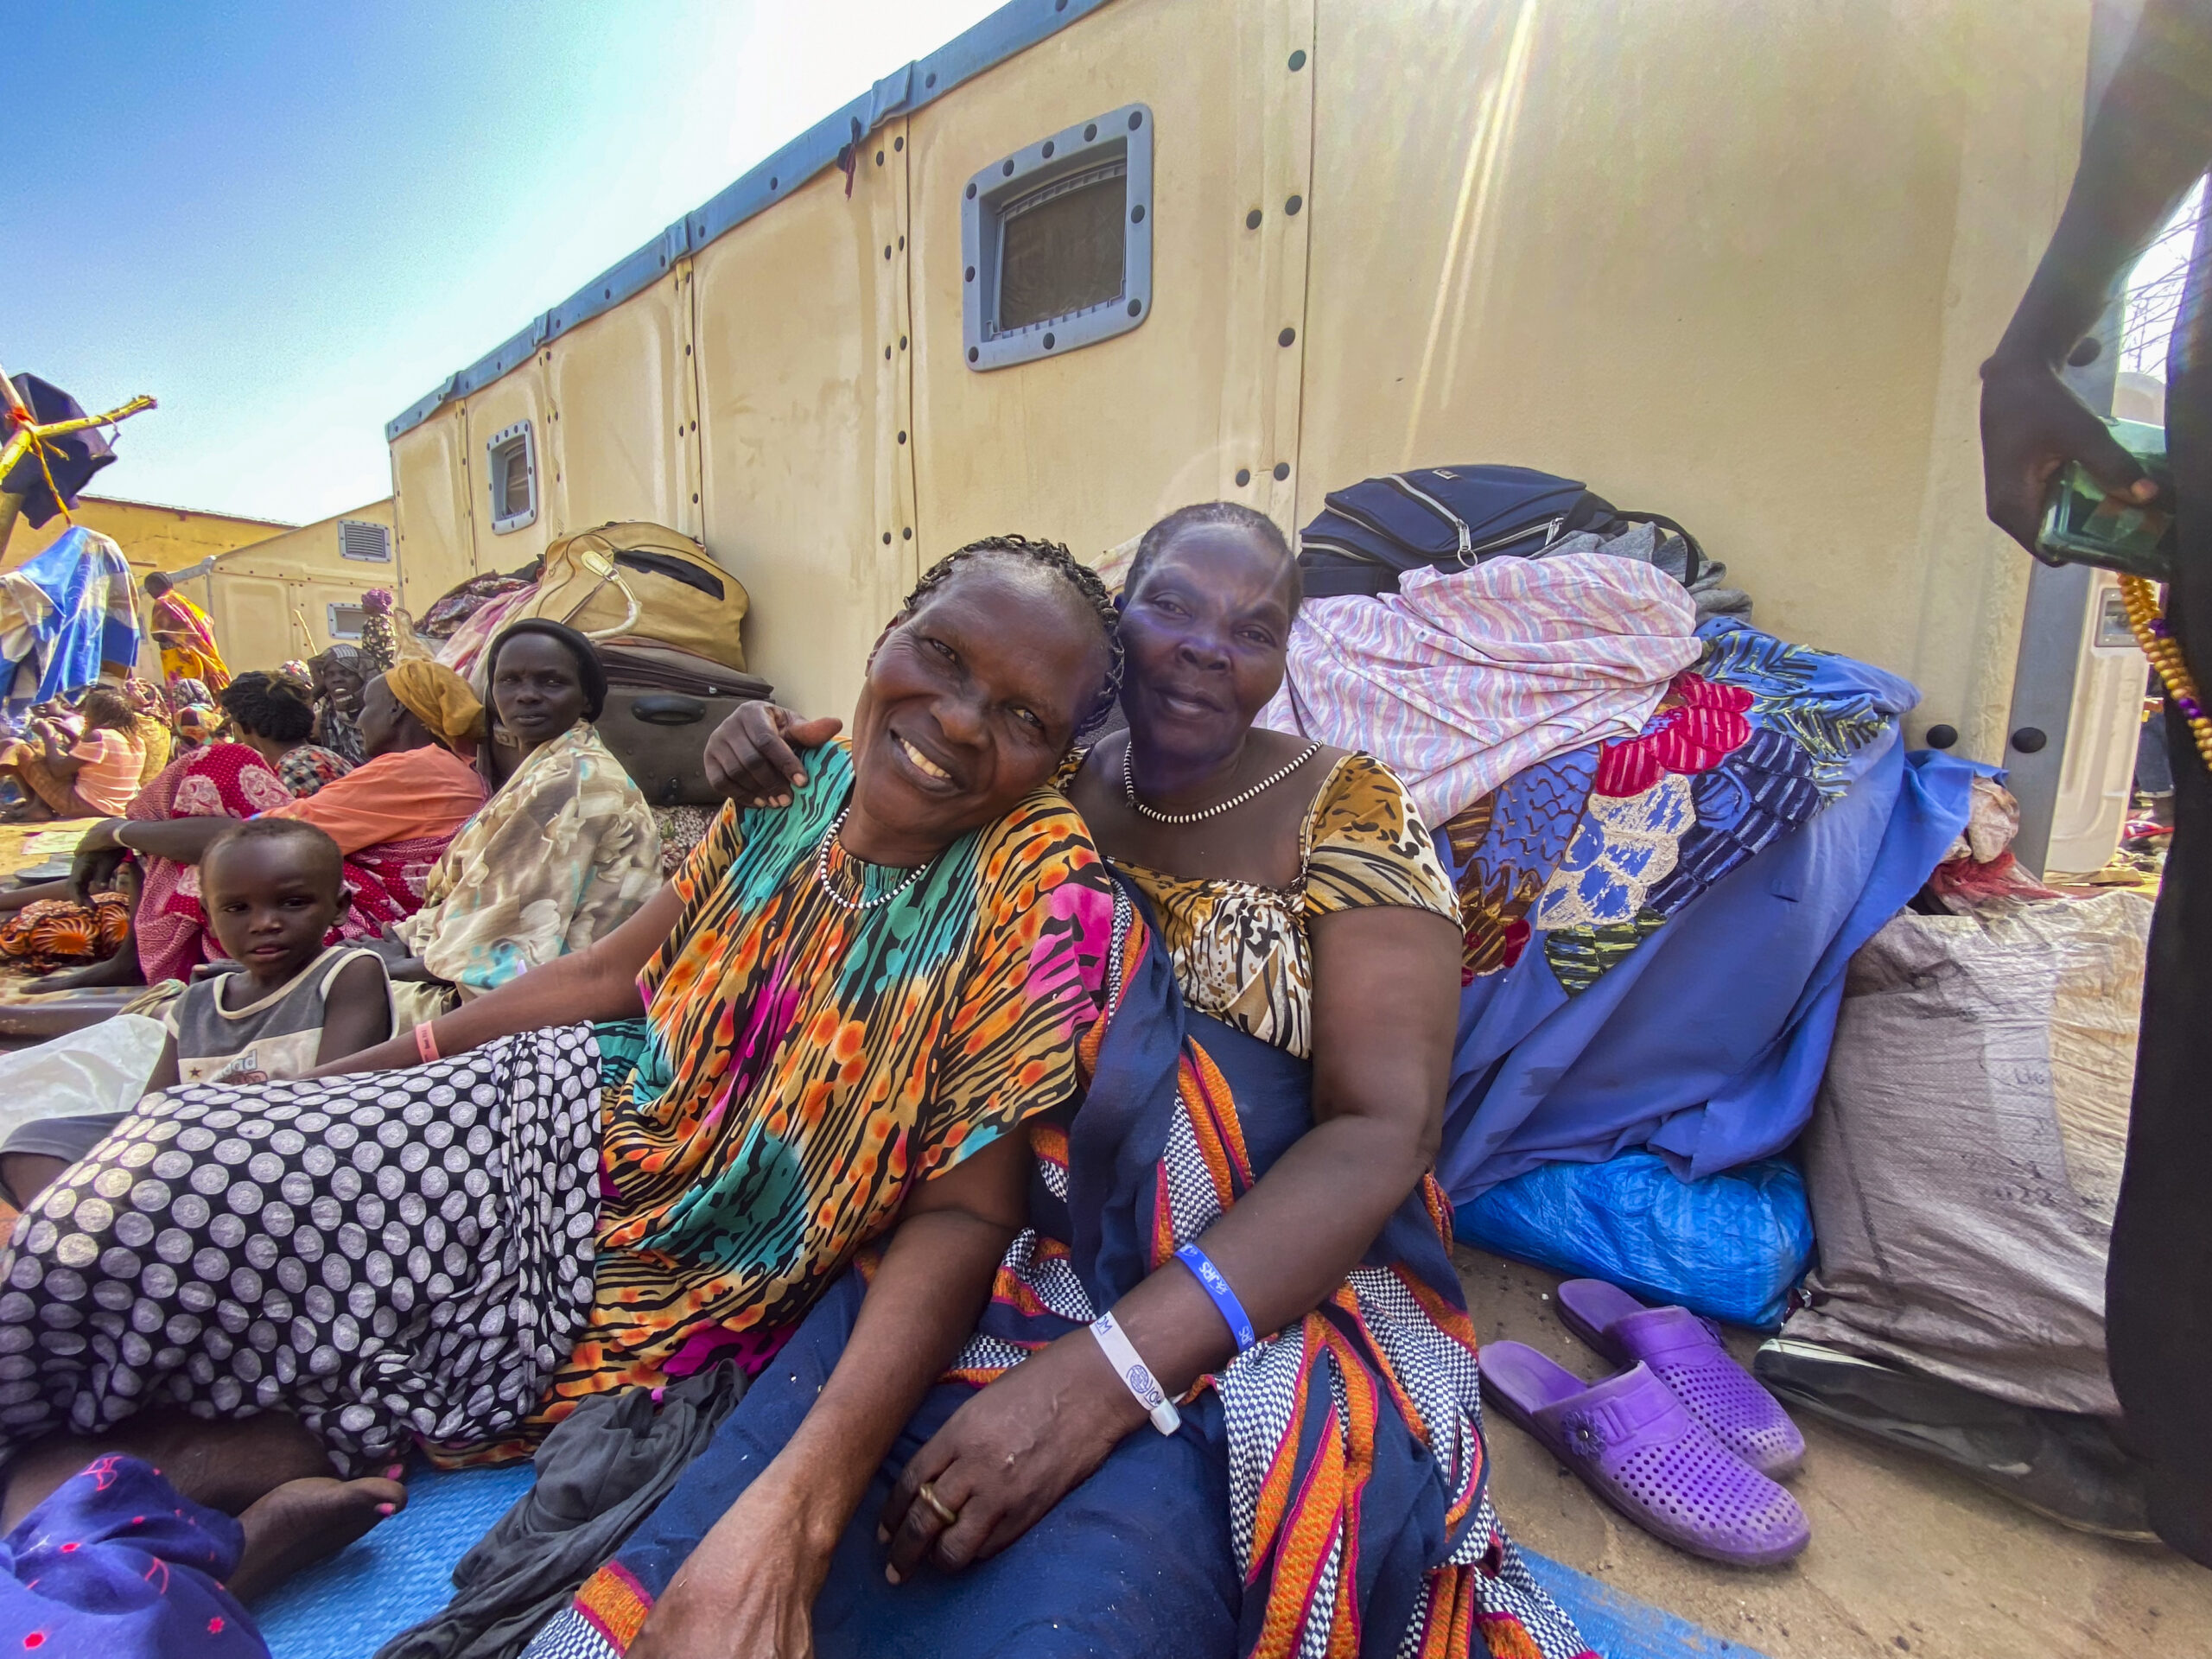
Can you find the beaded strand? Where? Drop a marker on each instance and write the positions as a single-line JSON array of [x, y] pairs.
[[2147, 622]]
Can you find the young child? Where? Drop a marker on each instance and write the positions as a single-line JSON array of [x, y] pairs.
[[272, 888], [84, 766]]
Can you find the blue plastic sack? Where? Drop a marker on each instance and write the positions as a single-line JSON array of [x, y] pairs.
[[1730, 1247]]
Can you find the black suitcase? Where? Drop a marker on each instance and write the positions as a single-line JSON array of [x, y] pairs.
[[658, 729]]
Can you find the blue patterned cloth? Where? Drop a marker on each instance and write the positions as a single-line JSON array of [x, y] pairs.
[[67, 612], [116, 1563], [1662, 966]]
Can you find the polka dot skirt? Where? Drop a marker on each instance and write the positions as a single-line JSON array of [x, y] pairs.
[[386, 1255]]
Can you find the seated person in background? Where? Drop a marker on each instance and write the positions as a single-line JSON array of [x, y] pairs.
[[150, 723], [560, 855], [197, 721], [88, 776], [272, 888], [391, 818], [340, 676], [273, 714]]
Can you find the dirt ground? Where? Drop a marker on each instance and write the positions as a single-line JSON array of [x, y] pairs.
[[1906, 1556]]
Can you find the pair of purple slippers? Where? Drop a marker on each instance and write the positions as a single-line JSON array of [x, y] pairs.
[[1683, 1441]]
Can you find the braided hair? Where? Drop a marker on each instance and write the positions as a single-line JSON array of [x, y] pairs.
[[1052, 557], [277, 707], [1228, 515]]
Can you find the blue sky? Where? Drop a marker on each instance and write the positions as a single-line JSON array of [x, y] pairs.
[[287, 222]]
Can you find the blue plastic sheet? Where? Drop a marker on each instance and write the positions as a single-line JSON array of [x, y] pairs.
[[1730, 1247], [78, 616]]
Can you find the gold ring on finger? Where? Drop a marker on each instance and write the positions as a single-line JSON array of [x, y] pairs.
[[928, 1495]]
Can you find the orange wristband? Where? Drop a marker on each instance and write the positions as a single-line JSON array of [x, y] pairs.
[[425, 1044]]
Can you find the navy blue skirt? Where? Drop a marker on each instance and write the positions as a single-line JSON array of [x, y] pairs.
[[1135, 1561]]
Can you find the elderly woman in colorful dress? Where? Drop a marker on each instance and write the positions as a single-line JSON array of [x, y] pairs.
[[1230, 1401], [847, 1009]]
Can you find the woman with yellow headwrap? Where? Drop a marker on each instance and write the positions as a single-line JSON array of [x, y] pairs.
[[392, 816]]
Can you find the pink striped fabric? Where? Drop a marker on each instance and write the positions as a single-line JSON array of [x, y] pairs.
[[1464, 677]]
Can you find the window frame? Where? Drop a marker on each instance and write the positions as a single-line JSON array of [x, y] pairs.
[[383, 539], [518, 437], [1014, 181]]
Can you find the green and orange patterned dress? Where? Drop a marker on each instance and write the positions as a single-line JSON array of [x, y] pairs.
[[801, 1066]]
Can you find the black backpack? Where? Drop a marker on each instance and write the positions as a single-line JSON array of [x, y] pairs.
[[1454, 517]]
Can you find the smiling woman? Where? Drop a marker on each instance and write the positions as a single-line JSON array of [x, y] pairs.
[[1240, 1218], [847, 1009]]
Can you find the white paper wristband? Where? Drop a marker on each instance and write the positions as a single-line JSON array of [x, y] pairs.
[[1136, 1375]]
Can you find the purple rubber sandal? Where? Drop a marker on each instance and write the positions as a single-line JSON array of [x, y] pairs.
[[1633, 1444], [1686, 1354]]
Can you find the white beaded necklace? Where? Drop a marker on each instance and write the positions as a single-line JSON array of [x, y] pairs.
[[1129, 790], [855, 906]]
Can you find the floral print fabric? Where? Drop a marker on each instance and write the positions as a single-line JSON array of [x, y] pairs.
[[1241, 950], [557, 859]]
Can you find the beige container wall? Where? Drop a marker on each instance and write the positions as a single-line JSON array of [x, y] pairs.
[[431, 502], [807, 494], [1091, 447], [1732, 263], [623, 409], [152, 537], [271, 601]]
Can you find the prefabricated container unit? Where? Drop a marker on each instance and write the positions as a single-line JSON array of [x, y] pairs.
[[296, 593], [1737, 264]]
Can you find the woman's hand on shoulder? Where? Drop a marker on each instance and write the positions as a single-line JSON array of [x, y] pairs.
[[750, 757], [748, 1588], [1007, 1455]]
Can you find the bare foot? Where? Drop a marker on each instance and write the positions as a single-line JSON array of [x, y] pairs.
[[304, 1521], [227, 1466]]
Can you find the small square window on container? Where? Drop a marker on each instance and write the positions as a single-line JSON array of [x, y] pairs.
[[1057, 242], [346, 621], [511, 473]]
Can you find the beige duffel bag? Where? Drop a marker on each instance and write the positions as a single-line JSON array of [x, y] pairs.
[[642, 584]]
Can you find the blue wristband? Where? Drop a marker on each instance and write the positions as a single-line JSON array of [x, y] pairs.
[[1240, 1322]]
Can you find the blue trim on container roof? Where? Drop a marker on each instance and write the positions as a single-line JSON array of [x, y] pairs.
[[1011, 29]]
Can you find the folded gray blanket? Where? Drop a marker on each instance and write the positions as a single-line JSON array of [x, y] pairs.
[[601, 1471]]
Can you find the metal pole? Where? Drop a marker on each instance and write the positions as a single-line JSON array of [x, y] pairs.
[[2041, 717]]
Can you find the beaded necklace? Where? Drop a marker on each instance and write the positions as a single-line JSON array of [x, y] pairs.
[[1129, 790], [2148, 623], [855, 906]]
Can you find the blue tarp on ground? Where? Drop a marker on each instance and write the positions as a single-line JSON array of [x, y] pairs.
[[1730, 1247], [400, 1575]]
